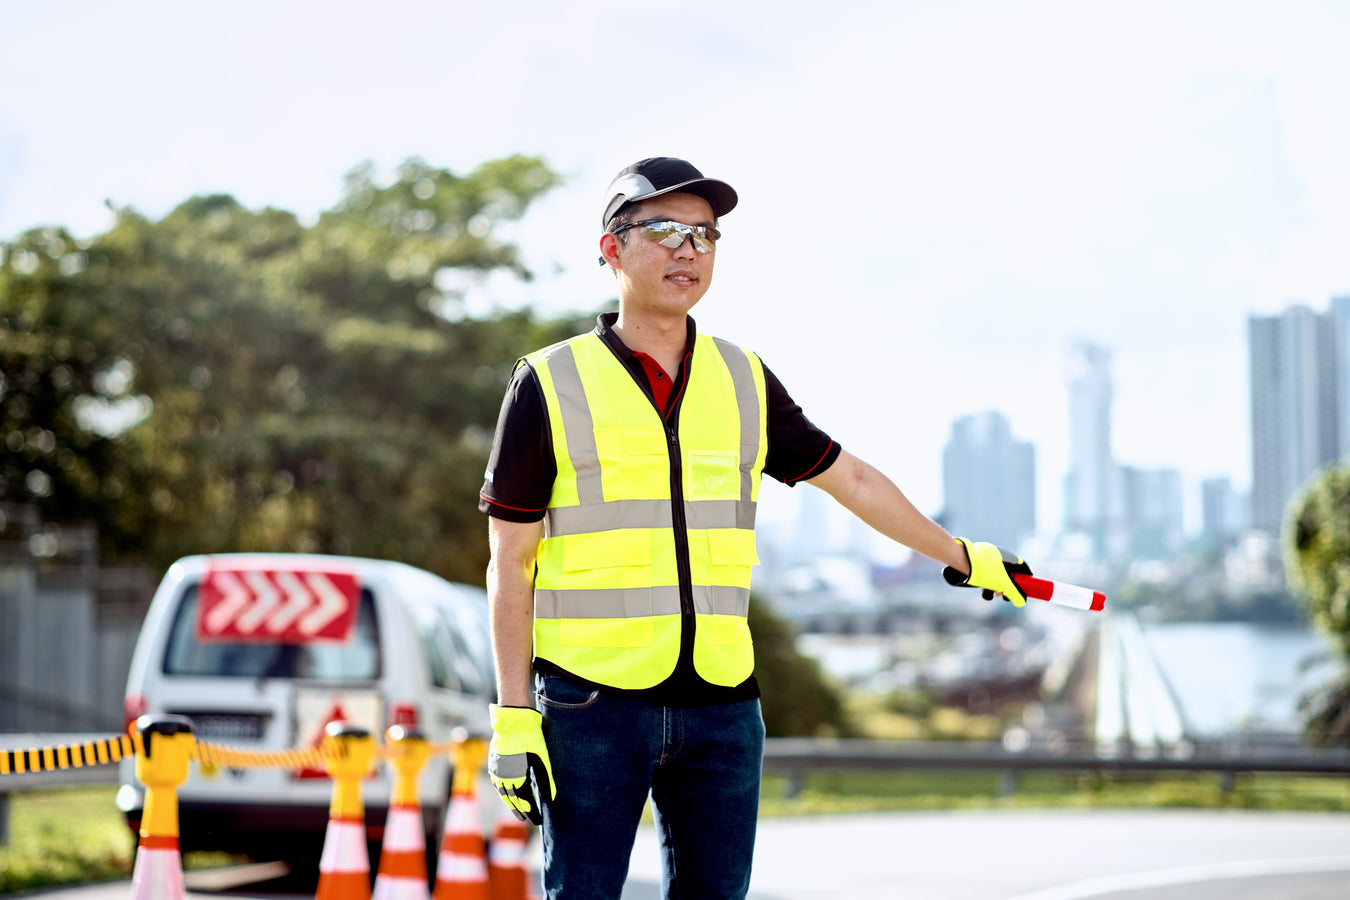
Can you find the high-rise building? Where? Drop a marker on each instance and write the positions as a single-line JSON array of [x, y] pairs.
[[1340, 328], [1223, 512], [1090, 486], [988, 481], [1152, 512], [1295, 402]]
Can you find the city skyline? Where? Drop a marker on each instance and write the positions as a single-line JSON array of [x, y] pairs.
[[1298, 389]]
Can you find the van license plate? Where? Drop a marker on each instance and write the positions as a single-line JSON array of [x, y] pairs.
[[227, 726]]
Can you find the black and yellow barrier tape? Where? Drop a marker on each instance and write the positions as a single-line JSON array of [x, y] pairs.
[[205, 753], [72, 756]]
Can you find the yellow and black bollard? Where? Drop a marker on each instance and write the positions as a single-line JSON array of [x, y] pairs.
[[344, 868], [403, 858], [167, 743]]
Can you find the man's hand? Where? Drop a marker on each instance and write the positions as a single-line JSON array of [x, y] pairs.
[[517, 748], [992, 569]]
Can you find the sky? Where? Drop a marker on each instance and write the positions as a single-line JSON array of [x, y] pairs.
[[936, 199]]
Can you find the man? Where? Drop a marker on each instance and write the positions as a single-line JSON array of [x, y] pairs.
[[621, 493]]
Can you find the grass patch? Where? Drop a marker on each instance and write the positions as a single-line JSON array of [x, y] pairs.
[[908, 714], [64, 836], [842, 792]]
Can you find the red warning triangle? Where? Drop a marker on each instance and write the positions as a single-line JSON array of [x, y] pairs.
[[337, 715]]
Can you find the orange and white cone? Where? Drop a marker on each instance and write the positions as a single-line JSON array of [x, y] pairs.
[[158, 874], [163, 766], [507, 872], [403, 859], [462, 867], [344, 867]]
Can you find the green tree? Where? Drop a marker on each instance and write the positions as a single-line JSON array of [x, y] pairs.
[[1317, 559], [233, 379], [797, 699], [281, 386], [59, 368]]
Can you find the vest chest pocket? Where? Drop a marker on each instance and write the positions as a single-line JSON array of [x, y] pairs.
[[634, 462], [712, 475]]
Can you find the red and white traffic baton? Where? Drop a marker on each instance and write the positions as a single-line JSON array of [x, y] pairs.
[[1063, 594]]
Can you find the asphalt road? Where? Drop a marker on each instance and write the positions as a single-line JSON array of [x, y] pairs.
[[1014, 855], [1040, 855]]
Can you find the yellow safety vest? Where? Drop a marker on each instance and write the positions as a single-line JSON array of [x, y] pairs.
[[650, 524]]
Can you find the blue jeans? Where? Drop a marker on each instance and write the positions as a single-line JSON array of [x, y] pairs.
[[701, 767]]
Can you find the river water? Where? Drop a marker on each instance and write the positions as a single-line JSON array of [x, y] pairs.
[[1238, 677]]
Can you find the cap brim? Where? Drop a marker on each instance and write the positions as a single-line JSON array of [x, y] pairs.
[[720, 196]]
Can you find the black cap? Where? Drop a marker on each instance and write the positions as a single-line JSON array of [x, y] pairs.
[[659, 175]]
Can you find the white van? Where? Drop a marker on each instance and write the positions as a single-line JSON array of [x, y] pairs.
[[261, 651]]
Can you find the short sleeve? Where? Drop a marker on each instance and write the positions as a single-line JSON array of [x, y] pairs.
[[521, 468], [798, 450]]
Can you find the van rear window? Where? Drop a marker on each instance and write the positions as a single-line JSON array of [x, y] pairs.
[[358, 659]]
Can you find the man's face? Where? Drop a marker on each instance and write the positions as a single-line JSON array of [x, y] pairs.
[[657, 279]]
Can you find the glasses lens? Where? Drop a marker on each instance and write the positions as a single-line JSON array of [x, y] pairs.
[[672, 235]]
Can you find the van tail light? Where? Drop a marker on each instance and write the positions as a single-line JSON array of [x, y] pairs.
[[133, 707], [403, 714]]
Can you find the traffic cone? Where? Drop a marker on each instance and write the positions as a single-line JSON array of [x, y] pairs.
[[162, 767], [402, 873], [462, 868], [507, 872], [344, 867]]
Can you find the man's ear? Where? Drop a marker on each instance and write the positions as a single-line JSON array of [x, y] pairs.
[[609, 250]]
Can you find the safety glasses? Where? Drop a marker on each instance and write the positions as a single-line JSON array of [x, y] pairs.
[[672, 234]]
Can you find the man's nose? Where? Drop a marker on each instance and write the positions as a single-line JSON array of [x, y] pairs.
[[686, 249]]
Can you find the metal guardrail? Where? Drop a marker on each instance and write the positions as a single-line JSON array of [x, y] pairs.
[[796, 757]]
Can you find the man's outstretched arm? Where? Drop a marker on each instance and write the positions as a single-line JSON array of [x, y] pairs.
[[867, 493], [875, 499]]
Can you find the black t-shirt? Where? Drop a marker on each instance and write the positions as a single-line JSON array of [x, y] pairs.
[[521, 471]]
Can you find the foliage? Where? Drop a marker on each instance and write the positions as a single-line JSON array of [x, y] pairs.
[[231, 379], [1207, 596], [913, 714], [797, 700], [1317, 559]]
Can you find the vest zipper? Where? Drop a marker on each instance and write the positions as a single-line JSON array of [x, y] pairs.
[[680, 527]]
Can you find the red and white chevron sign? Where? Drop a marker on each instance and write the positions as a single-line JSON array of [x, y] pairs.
[[285, 606]]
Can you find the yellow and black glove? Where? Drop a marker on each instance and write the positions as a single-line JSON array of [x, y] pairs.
[[516, 750], [992, 569]]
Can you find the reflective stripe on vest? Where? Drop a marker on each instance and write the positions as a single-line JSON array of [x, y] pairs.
[[607, 591]]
